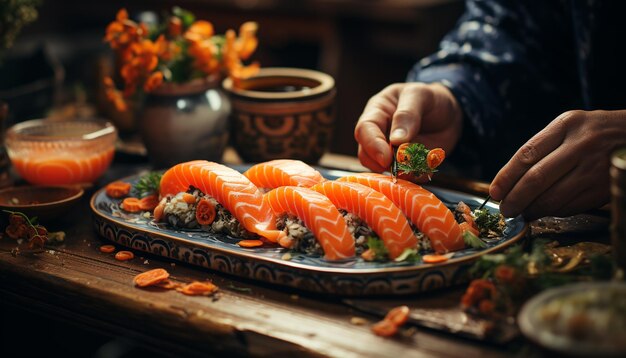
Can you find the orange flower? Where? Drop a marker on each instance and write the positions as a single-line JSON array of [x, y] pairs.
[[232, 61], [122, 32], [203, 54], [174, 26], [144, 64], [153, 82], [247, 41], [114, 95], [199, 31]]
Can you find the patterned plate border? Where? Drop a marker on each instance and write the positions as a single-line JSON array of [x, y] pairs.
[[220, 253]]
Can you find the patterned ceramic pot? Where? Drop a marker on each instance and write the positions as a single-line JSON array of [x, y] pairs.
[[282, 113], [182, 122]]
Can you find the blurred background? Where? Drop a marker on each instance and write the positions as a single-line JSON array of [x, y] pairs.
[[57, 62]]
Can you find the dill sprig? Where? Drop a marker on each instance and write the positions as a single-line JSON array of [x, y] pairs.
[[148, 184]]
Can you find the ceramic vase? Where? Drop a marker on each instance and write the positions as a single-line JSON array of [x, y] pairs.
[[183, 122]]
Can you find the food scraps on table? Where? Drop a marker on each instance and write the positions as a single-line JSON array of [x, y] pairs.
[[198, 288], [161, 278], [30, 235], [395, 318], [151, 277], [107, 249], [124, 255]]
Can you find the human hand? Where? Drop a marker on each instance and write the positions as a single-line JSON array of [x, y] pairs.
[[564, 169], [415, 112]]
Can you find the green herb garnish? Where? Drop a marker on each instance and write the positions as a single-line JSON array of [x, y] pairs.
[[416, 163], [473, 241], [378, 247], [409, 255], [489, 224], [147, 184]]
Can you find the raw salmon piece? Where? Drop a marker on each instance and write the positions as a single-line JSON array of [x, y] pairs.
[[230, 188], [283, 172], [319, 215], [380, 213], [423, 208]]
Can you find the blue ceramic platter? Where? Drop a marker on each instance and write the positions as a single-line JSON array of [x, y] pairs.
[[355, 277]]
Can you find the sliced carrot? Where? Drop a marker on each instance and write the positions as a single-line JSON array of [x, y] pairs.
[[435, 258], [159, 212], [466, 226], [107, 249], [205, 212], [198, 288], [250, 243], [131, 205], [167, 284], [189, 199], [398, 315], [401, 155], [385, 328], [435, 157], [368, 255], [124, 256], [149, 202], [117, 189], [150, 278]]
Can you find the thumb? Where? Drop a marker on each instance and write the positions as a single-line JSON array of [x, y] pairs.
[[407, 119]]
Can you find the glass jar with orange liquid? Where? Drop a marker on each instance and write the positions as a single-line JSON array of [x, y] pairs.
[[49, 152]]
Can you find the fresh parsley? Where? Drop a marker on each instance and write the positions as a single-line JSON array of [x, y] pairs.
[[378, 247]]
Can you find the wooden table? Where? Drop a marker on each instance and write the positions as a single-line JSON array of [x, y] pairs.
[[74, 299]]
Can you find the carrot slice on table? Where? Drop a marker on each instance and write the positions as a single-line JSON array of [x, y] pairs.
[[385, 328], [167, 284], [398, 315], [435, 258], [149, 203], [107, 249], [124, 256], [205, 212], [131, 205], [250, 243], [117, 189], [198, 288], [151, 277]]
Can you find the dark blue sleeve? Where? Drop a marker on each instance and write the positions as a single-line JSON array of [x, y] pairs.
[[504, 63]]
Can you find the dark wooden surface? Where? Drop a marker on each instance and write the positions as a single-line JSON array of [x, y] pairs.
[[75, 285]]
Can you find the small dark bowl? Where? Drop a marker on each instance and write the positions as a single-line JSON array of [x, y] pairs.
[[44, 202]]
